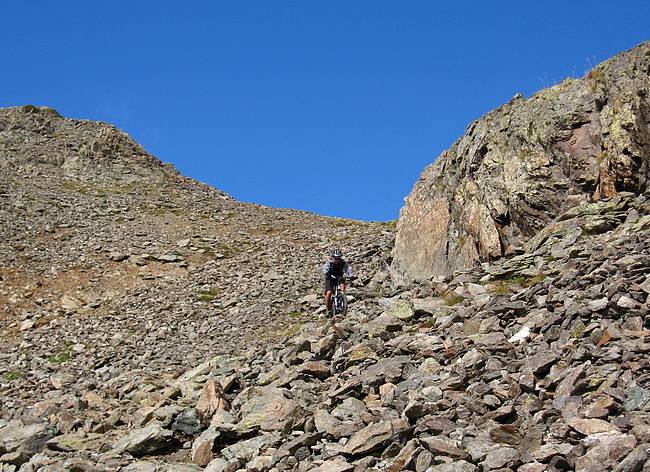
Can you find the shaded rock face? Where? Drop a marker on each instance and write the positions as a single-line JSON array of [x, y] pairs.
[[519, 166]]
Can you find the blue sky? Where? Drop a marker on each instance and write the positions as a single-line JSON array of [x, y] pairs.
[[328, 106]]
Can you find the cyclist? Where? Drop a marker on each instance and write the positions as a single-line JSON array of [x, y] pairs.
[[336, 268]]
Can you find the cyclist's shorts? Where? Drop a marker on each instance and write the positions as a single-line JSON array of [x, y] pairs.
[[329, 284]]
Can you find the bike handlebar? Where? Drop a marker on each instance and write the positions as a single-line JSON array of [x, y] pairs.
[[343, 277]]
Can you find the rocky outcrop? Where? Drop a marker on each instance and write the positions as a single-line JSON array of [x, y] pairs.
[[524, 163], [31, 136]]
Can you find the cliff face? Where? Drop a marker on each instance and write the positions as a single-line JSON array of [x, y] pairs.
[[522, 164]]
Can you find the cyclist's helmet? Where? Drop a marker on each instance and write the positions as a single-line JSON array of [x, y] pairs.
[[337, 253]]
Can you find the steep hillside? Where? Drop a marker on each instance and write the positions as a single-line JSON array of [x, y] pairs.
[[522, 164], [112, 262]]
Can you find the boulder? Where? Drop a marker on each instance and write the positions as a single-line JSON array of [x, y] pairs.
[[268, 409]]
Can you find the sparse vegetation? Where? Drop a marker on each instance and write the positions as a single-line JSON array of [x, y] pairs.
[[209, 295], [452, 298], [291, 330], [428, 323], [60, 357], [577, 330], [500, 288], [461, 241], [505, 286], [13, 375], [63, 355], [30, 108]]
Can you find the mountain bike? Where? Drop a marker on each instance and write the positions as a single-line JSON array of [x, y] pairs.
[[339, 300]]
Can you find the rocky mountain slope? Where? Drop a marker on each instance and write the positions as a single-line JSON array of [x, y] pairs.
[[143, 331], [520, 165], [115, 265]]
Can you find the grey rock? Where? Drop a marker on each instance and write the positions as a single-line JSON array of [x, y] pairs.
[[147, 440], [516, 168], [455, 466], [637, 397], [500, 457], [337, 464], [19, 442], [605, 451], [269, 409], [247, 449], [217, 465], [188, 422], [634, 461]]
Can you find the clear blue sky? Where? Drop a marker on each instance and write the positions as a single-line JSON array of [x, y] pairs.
[[331, 106]]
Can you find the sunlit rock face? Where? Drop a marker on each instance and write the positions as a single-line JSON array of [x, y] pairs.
[[522, 164]]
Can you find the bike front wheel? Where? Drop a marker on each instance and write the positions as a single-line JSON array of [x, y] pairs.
[[341, 304]]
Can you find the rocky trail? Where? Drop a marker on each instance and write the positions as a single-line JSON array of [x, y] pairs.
[[152, 323]]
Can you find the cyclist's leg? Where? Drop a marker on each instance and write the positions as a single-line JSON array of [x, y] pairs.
[[328, 300], [329, 288]]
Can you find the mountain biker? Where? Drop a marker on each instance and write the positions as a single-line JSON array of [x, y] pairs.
[[335, 268]]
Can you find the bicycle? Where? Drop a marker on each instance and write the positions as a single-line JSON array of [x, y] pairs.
[[339, 300]]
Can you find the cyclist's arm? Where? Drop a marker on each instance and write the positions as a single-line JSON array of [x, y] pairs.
[[347, 270], [326, 268]]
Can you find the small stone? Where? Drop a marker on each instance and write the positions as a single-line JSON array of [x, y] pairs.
[[627, 303], [454, 466], [187, 422], [588, 426], [183, 242], [337, 464], [212, 399], [402, 310], [169, 258], [202, 447], [27, 324], [117, 256], [440, 446], [634, 461], [70, 303], [599, 304], [637, 397], [217, 465], [373, 436]]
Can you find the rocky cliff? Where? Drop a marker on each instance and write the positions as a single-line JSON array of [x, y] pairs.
[[518, 167]]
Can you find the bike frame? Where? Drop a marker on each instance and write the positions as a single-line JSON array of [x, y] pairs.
[[336, 293]]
